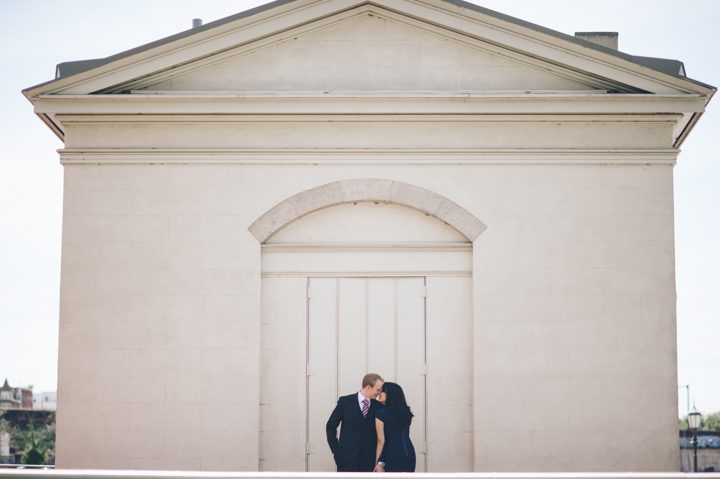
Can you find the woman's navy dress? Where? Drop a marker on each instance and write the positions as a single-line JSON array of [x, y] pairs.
[[398, 453]]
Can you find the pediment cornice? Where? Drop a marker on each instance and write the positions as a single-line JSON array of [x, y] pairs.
[[534, 46]]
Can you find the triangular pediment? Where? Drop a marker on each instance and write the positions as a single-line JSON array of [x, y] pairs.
[[369, 51], [359, 45]]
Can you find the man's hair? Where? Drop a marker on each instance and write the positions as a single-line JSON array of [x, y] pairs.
[[370, 379]]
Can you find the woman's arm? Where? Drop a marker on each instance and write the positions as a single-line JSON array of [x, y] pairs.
[[380, 430]]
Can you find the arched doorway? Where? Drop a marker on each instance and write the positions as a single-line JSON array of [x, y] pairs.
[[357, 287]]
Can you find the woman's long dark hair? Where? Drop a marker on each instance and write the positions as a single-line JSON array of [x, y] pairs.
[[396, 404]]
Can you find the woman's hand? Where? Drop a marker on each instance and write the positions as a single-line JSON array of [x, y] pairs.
[[380, 431]]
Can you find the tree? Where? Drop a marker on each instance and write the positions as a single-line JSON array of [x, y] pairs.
[[34, 453], [32, 435], [711, 422]]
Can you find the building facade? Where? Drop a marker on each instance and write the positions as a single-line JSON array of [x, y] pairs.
[[707, 451], [45, 400], [262, 209], [15, 397]]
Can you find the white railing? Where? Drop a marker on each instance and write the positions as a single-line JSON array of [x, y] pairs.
[[121, 474], [26, 466]]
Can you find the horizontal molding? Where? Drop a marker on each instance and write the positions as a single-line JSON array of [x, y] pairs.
[[363, 274], [117, 119], [269, 248], [369, 103], [380, 156]]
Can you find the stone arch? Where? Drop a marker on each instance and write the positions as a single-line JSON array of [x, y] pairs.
[[370, 189]]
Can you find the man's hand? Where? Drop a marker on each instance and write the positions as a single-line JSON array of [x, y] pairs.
[[379, 468]]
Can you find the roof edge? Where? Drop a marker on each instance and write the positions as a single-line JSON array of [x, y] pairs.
[[672, 68]]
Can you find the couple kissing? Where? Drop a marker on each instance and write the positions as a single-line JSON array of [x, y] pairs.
[[375, 432]]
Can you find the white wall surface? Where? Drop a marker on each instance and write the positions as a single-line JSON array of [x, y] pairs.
[[573, 312]]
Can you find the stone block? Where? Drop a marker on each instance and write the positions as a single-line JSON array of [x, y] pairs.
[[127, 335], [132, 228], [112, 362], [225, 202], [227, 417], [122, 390], [238, 389], [230, 362], [241, 308], [182, 309], [183, 444], [449, 444], [316, 198], [231, 255], [283, 417], [218, 281], [458, 418], [283, 336], [82, 201], [109, 416], [166, 362], [239, 445], [282, 392], [131, 177], [275, 218], [366, 190], [169, 202], [285, 445], [237, 335], [131, 281]]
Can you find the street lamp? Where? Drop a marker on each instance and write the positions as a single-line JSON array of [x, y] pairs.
[[694, 418]]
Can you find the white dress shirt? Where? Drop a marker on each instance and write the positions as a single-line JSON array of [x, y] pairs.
[[362, 398]]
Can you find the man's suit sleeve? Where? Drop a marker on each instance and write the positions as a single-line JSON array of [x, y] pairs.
[[332, 425]]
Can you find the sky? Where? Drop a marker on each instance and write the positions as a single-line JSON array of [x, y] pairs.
[[37, 34]]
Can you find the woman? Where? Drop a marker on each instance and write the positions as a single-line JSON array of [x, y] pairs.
[[395, 451]]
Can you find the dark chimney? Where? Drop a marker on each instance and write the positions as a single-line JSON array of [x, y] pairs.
[[605, 39]]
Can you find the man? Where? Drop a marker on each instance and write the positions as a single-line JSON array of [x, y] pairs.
[[355, 451]]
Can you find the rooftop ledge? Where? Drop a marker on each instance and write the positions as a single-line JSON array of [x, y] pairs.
[[370, 93], [209, 103], [603, 95]]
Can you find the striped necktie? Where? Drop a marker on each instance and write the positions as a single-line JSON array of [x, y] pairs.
[[365, 407]]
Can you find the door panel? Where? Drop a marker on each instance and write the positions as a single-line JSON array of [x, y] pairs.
[[283, 388], [450, 374], [411, 371], [352, 338], [322, 369], [381, 327], [378, 326]]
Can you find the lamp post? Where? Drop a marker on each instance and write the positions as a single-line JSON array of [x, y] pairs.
[[694, 418]]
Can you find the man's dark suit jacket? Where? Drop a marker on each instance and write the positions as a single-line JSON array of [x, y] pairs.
[[355, 451]]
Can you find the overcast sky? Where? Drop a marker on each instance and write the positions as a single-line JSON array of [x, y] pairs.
[[38, 34]]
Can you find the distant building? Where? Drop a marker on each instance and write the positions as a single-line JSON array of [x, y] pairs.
[[5, 457], [15, 398], [708, 451], [45, 401]]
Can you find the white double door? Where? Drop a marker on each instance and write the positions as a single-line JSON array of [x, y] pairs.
[[361, 325]]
